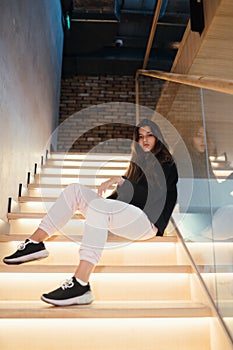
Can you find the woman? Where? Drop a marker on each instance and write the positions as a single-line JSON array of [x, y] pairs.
[[139, 209]]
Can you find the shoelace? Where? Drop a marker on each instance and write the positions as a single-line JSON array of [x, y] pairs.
[[22, 245], [67, 284]]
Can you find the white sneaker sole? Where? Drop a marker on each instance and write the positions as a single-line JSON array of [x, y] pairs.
[[30, 257], [86, 298]]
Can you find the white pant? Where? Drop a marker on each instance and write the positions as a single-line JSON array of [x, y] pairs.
[[101, 215]]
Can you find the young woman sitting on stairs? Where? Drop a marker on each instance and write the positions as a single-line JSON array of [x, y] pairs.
[[138, 209]]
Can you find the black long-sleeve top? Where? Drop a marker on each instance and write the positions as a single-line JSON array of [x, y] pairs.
[[157, 201]]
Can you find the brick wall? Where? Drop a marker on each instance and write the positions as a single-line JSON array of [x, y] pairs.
[[94, 5], [99, 111]]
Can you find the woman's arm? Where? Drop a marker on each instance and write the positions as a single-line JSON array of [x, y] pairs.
[[115, 180]]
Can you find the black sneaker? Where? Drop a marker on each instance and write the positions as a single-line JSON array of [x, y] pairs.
[[70, 293], [27, 251]]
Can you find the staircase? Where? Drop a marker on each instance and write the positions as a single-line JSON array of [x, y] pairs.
[[147, 296]]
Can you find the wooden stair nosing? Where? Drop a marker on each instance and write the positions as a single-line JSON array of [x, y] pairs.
[[37, 199], [84, 156], [80, 176], [108, 309], [25, 199], [75, 238], [86, 167], [30, 215], [84, 162], [33, 268], [33, 186]]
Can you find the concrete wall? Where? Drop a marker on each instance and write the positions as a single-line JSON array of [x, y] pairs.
[[31, 42]]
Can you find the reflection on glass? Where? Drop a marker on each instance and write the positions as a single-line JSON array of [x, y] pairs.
[[210, 199], [205, 201], [217, 113]]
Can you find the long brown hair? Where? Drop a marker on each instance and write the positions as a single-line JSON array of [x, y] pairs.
[[144, 162]]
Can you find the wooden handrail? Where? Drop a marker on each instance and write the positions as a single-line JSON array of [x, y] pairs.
[[205, 82], [199, 81]]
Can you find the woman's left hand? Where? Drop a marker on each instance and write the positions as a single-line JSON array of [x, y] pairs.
[[118, 180]]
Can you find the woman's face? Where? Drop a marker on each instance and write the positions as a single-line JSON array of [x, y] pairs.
[[146, 139], [199, 140]]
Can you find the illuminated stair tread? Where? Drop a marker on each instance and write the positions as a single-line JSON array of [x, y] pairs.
[[63, 238], [106, 309], [29, 215], [38, 176], [89, 156], [38, 186], [74, 167], [36, 267], [24, 199]]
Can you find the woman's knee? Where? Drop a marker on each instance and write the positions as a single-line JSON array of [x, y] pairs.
[[73, 189]]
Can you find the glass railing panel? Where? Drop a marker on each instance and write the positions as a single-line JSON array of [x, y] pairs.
[[197, 125], [217, 114], [202, 148], [193, 214]]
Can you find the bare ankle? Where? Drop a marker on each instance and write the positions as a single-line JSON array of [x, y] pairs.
[[39, 235]]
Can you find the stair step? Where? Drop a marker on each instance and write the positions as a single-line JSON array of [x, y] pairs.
[[35, 204], [27, 222], [25, 199], [117, 252], [157, 249], [105, 286], [33, 268], [29, 215], [92, 176], [33, 186], [28, 225], [40, 204], [65, 179], [62, 238], [106, 309], [80, 172], [90, 156], [90, 166], [86, 180], [72, 227], [163, 333], [52, 190]]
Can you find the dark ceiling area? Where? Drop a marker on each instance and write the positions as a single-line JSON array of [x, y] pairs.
[[111, 36]]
